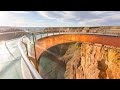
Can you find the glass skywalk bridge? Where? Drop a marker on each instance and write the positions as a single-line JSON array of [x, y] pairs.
[[14, 64]]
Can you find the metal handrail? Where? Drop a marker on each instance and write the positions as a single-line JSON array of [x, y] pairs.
[[68, 32], [30, 66]]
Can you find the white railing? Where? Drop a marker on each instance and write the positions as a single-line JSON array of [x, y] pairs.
[[30, 66], [46, 33]]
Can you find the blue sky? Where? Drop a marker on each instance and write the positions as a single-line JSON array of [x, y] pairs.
[[59, 18]]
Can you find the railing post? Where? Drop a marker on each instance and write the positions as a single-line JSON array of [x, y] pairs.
[[59, 31], [68, 30], [53, 32], [41, 35], [47, 33], [15, 34], [36, 62]]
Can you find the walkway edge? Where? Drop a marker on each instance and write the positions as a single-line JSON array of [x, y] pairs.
[[32, 69]]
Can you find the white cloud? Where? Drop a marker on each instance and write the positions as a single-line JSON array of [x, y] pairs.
[[99, 12], [102, 20], [20, 12], [81, 16], [59, 18], [9, 19], [51, 14]]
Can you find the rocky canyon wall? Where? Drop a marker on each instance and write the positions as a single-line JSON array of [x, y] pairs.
[[89, 61]]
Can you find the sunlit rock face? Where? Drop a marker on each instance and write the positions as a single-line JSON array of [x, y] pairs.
[[92, 61], [86, 61], [113, 63]]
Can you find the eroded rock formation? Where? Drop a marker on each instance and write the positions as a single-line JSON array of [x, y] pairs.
[[89, 61]]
